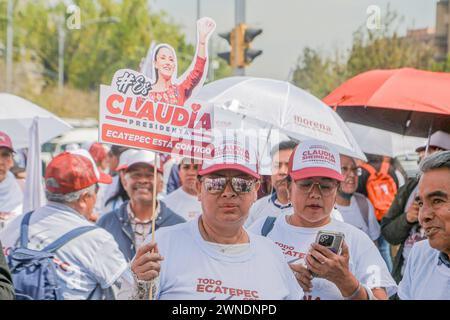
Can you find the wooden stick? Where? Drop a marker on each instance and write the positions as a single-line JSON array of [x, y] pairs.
[[155, 173]]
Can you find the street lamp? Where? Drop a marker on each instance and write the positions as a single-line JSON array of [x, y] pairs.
[[62, 40]]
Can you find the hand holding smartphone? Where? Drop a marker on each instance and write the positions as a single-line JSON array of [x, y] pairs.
[[330, 239]]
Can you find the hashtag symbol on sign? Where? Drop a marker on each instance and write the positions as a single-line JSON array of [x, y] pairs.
[[126, 81]]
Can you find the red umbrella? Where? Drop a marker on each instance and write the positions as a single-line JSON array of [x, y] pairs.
[[406, 101]]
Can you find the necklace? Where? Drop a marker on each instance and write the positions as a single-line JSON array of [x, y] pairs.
[[210, 238]]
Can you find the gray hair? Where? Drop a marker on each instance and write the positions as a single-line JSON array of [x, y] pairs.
[[437, 160], [68, 197]]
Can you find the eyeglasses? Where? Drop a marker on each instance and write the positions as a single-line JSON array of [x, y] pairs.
[[357, 171], [218, 184], [326, 187]]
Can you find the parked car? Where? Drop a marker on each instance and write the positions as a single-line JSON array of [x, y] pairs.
[[72, 139]]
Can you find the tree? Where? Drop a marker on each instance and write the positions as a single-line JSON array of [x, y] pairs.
[[91, 54], [317, 74], [371, 49], [385, 49]]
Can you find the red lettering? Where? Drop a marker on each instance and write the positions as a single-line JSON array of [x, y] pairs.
[[200, 288], [163, 118], [110, 101], [180, 117], [192, 120], [126, 111], [147, 111], [209, 288], [204, 122]]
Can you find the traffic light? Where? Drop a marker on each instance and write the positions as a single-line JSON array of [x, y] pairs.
[[229, 55], [241, 54], [249, 53]]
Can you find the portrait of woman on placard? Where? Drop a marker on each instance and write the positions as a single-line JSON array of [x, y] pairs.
[[165, 87]]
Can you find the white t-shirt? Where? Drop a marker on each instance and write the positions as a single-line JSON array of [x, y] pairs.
[[83, 263], [425, 278], [11, 199], [267, 206], [353, 215], [270, 207], [183, 204], [195, 269], [366, 263]]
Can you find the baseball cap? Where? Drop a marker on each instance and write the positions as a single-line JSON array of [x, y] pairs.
[[186, 160], [5, 141], [315, 159], [142, 156], [97, 151], [71, 171], [232, 154], [439, 139], [123, 159]]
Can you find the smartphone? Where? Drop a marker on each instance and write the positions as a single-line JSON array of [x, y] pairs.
[[331, 239]]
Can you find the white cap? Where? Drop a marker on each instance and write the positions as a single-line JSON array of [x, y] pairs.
[[123, 159], [142, 156], [232, 154], [315, 159], [439, 139]]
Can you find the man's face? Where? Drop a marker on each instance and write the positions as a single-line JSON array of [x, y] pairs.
[[86, 203], [138, 183], [280, 164], [350, 173], [226, 207], [188, 176], [434, 212], [313, 205], [6, 162], [431, 150]]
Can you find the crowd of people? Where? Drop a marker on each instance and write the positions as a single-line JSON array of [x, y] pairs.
[[389, 234]]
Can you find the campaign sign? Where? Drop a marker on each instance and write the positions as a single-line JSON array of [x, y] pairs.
[[129, 117]]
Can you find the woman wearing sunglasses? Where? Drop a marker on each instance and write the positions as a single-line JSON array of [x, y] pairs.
[[213, 256], [356, 271]]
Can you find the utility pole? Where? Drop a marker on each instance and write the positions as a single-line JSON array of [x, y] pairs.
[[9, 46], [61, 41], [239, 16]]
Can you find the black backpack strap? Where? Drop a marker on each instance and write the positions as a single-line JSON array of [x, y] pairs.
[[24, 229], [58, 243], [363, 206], [268, 226]]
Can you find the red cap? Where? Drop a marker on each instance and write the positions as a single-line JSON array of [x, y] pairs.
[[232, 154], [72, 171], [5, 141], [98, 152], [315, 159]]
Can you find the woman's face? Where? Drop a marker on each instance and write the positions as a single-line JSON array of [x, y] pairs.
[[165, 62]]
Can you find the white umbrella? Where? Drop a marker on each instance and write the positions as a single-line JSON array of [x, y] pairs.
[[16, 118], [382, 142], [282, 106], [33, 196]]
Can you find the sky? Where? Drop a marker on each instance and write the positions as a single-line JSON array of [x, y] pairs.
[[291, 25]]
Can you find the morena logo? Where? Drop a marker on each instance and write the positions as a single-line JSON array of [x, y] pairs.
[[312, 124]]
